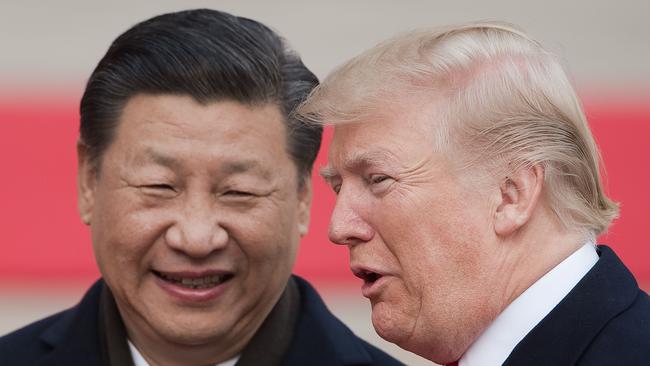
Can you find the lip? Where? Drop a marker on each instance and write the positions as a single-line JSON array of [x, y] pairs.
[[196, 296], [373, 289], [370, 289]]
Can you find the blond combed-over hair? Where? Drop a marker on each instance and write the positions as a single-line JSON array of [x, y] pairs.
[[507, 104]]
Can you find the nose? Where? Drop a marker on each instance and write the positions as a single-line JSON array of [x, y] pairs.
[[197, 231], [347, 225]]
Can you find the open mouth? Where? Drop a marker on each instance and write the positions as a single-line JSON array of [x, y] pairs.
[[194, 282], [368, 277]]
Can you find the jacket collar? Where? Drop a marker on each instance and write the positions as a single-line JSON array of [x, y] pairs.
[[320, 339], [566, 332], [74, 338], [272, 340]]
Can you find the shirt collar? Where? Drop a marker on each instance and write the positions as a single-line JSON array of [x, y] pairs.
[[138, 360], [496, 343]]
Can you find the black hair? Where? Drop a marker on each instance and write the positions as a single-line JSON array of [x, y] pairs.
[[206, 54]]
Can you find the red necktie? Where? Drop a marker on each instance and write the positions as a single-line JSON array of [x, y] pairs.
[[455, 363]]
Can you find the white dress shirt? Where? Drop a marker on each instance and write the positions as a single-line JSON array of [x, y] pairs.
[[496, 343], [138, 360]]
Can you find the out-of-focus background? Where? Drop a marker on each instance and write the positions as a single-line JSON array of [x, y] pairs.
[[48, 49]]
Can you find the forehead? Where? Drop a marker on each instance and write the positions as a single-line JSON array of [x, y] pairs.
[[185, 116], [389, 135], [178, 131]]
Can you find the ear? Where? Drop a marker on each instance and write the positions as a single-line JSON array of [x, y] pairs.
[[304, 206], [86, 181], [520, 193]]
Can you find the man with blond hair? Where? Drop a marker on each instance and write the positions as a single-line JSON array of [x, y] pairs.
[[469, 196]]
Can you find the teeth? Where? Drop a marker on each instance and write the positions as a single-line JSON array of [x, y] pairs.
[[196, 283]]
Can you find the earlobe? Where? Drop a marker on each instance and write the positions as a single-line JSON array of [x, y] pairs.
[[304, 207], [86, 179], [520, 194]]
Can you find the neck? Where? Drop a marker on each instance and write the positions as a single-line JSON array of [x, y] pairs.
[[160, 352], [517, 262], [513, 264], [533, 252]]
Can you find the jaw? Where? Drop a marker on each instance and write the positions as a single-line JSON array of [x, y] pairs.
[[392, 324], [182, 338], [438, 332]]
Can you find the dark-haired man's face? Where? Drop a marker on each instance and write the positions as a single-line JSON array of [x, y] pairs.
[[195, 217]]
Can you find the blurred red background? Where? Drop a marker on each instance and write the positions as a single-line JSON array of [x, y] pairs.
[[44, 240]]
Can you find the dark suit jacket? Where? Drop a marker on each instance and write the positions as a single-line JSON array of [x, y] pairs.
[[604, 320], [71, 337]]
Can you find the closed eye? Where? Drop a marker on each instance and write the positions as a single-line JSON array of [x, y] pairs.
[[159, 186], [234, 193], [161, 190]]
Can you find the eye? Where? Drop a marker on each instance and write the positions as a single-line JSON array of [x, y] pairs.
[[335, 184], [161, 186], [236, 193], [379, 183], [377, 178], [158, 190]]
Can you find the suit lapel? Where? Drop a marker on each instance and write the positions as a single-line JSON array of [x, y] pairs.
[[320, 339], [74, 338], [271, 341], [566, 332]]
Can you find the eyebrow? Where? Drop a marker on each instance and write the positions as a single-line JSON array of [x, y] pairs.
[[159, 158], [227, 168], [235, 167], [328, 173]]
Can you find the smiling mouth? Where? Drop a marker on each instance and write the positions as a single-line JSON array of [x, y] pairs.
[[194, 282]]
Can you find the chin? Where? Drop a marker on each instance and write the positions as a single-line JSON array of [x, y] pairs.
[[390, 325], [189, 333], [420, 346], [399, 328], [192, 339]]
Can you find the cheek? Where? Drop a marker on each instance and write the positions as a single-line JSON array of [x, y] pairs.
[[123, 237], [267, 236], [410, 231], [436, 242]]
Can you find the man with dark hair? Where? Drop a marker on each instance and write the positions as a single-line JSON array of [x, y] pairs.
[[194, 178]]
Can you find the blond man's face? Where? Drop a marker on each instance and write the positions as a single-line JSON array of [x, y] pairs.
[[418, 234]]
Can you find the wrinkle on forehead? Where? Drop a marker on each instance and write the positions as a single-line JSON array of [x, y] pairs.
[[179, 114], [359, 159], [225, 168]]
